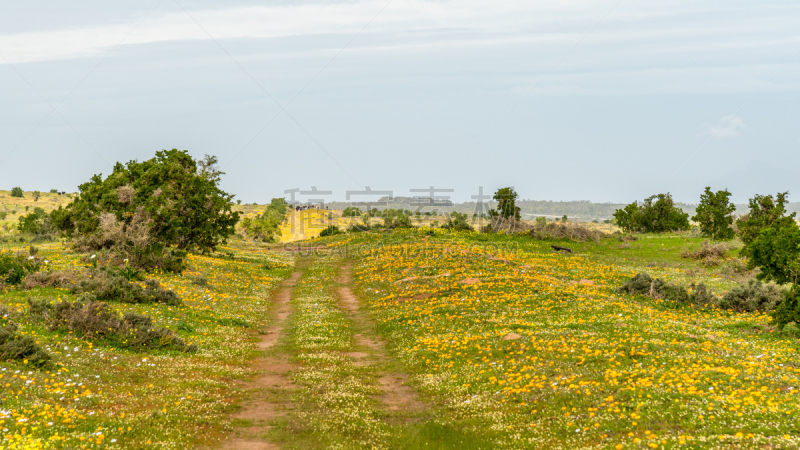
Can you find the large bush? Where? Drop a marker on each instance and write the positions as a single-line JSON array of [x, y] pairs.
[[714, 214], [16, 192], [656, 214], [145, 208]]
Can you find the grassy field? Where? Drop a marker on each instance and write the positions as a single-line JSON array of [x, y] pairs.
[[98, 396], [408, 340]]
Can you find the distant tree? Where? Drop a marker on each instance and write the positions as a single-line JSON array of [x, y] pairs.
[[506, 204], [54, 191], [266, 227], [36, 195], [765, 211], [714, 214], [17, 192], [564, 218], [351, 211], [656, 214]]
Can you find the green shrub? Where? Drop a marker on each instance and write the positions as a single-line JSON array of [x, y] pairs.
[[644, 284], [708, 254], [3, 215], [97, 321], [16, 192], [14, 267], [14, 346], [266, 226], [458, 222], [358, 228], [116, 288], [656, 214], [331, 230], [751, 297], [54, 191], [37, 223]]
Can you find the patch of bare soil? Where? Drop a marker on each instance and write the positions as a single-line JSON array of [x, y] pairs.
[[271, 376]]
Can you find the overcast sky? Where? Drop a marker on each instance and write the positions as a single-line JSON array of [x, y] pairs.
[[565, 100]]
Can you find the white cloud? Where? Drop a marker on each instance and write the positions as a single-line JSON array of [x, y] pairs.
[[727, 127]]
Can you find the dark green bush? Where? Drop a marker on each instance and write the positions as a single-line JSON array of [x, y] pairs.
[[458, 222], [116, 288], [644, 284], [331, 230], [358, 228], [352, 211], [656, 214], [96, 320], [14, 346], [751, 297], [16, 192], [788, 310]]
